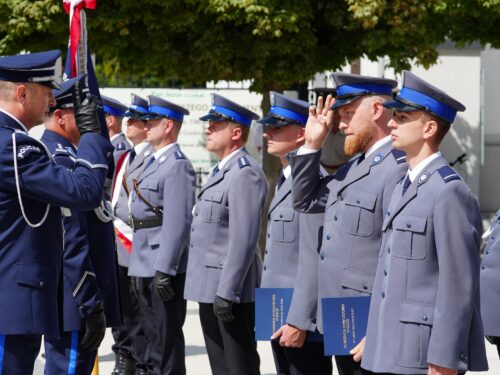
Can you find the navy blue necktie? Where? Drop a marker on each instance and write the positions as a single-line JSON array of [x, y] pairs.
[[361, 158], [150, 161], [215, 170], [131, 156], [406, 184], [281, 180]]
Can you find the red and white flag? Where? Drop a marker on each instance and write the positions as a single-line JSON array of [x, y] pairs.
[[73, 8]]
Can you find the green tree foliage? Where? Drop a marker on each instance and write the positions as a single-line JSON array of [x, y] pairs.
[[273, 43]]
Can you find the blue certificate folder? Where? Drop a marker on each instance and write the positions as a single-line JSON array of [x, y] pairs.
[[271, 310], [344, 323]]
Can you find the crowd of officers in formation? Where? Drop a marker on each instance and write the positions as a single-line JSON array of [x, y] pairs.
[[395, 222]]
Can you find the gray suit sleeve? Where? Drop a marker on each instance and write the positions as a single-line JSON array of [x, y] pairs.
[[457, 225], [178, 201], [309, 191], [304, 304], [247, 194]]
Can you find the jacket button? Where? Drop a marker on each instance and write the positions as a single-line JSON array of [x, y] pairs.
[[322, 256], [425, 318], [341, 198], [191, 245], [483, 267], [335, 218], [388, 250], [487, 252], [385, 273], [493, 237], [42, 283], [358, 201], [265, 252], [196, 214], [268, 235], [192, 229], [408, 225], [383, 295], [388, 213], [365, 286], [265, 268]]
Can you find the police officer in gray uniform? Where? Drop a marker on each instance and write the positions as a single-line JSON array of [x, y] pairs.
[[114, 112], [161, 207], [224, 262], [354, 198], [490, 283], [286, 234], [424, 313], [130, 343]]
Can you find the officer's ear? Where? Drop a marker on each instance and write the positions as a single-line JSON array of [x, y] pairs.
[[22, 93], [237, 133], [301, 136], [430, 129]]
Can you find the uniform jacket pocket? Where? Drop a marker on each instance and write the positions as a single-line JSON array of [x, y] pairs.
[[409, 237], [211, 206], [32, 275], [357, 212], [353, 280], [415, 331], [282, 226]]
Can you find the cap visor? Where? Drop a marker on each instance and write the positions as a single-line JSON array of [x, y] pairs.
[[212, 117], [399, 106], [340, 102]]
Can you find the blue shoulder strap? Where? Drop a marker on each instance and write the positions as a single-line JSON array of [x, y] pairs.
[[399, 155], [243, 162], [448, 173]]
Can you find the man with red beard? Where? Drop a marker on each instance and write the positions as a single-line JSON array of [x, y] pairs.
[[355, 197]]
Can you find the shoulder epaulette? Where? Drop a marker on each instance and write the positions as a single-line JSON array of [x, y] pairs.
[[179, 155], [243, 162], [399, 155], [448, 173], [120, 146]]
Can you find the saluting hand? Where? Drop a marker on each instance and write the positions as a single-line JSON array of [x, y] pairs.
[[319, 123], [357, 351], [290, 336]]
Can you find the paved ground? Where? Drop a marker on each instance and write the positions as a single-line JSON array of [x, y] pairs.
[[197, 360]]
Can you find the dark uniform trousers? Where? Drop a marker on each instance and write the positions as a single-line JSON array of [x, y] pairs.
[[58, 361], [307, 360], [231, 347], [347, 366], [10, 364], [162, 322], [130, 340]]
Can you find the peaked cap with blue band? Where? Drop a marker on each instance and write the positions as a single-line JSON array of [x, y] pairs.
[[418, 95], [353, 86], [39, 67], [113, 107], [138, 108], [159, 108], [285, 111], [224, 109], [64, 96]]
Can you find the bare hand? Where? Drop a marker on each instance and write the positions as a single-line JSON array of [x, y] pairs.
[[319, 123], [290, 336], [438, 370], [357, 351]]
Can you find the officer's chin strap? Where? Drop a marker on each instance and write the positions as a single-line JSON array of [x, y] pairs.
[[104, 212], [16, 174]]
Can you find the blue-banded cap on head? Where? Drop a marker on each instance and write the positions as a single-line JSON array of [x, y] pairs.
[[352, 86], [113, 107], [64, 96], [161, 108], [285, 111], [419, 95], [223, 109], [138, 108], [39, 67]]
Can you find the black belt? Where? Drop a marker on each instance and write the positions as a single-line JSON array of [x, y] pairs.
[[150, 222]]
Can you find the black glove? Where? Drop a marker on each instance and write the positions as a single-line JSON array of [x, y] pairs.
[[86, 117], [163, 286], [135, 286], [223, 309], [95, 328]]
